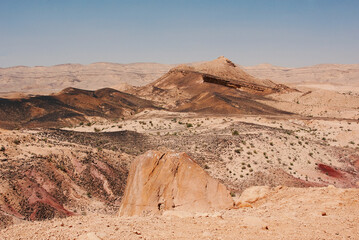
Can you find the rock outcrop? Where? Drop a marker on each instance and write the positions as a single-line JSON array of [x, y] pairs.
[[161, 181], [219, 83]]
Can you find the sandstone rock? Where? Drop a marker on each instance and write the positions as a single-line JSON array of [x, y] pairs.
[[160, 181], [251, 195]]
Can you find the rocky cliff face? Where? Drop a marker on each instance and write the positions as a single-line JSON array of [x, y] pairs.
[[160, 181]]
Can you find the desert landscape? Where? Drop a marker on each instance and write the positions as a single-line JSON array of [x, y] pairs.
[[208, 150]]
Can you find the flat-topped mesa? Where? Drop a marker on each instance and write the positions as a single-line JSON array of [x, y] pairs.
[[161, 181]]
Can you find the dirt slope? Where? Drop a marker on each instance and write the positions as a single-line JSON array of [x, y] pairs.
[[39, 181]]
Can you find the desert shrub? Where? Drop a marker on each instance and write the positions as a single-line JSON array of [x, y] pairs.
[[235, 133], [61, 166], [17, 141]]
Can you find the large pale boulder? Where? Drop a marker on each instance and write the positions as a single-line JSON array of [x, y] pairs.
[[251, 195], [160, 181]]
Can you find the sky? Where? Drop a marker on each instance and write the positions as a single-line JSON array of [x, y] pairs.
[[290, 33]]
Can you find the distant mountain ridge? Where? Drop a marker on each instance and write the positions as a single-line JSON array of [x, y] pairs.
[[341, 74], [45, 80]]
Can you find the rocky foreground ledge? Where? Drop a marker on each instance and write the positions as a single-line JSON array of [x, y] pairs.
[[169, 196], [281, 213]]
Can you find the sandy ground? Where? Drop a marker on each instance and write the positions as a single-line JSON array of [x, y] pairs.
[[301, 145], [315, 102], [285, 213]]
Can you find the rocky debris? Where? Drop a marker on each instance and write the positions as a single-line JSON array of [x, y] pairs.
[[160, 181]]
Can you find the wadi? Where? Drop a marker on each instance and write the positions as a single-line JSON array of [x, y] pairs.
[[204, 150]]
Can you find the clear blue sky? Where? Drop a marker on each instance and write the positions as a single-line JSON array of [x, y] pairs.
[[281, 32]]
